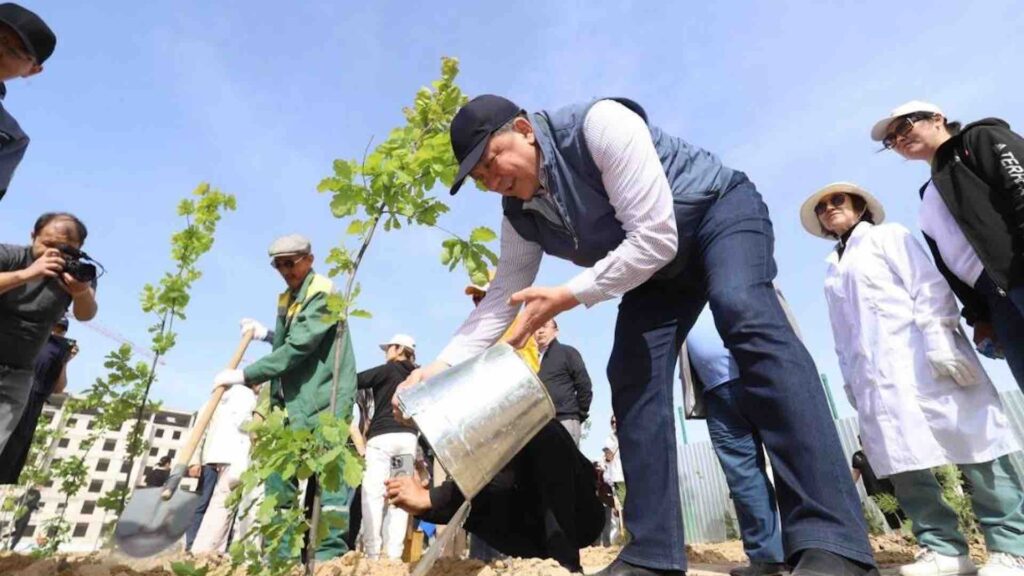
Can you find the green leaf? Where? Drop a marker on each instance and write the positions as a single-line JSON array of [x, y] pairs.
[[188, 569], [358, 313], [482, 234], [355, 227]]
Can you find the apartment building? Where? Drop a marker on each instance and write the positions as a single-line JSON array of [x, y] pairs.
[[107, 463]]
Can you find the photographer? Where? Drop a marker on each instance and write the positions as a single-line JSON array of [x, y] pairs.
[[50, 377], [542, 504], [38, 283]]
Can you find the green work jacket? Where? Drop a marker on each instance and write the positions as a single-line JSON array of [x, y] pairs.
[[300, 367]]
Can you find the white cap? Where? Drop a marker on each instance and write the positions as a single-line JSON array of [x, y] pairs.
[[880, 128], [400, 340], [810, 220]]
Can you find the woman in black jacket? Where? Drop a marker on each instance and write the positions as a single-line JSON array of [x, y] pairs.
[[383, 527], [972, 216]]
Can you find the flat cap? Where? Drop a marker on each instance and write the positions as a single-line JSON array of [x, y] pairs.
[[290, 244]]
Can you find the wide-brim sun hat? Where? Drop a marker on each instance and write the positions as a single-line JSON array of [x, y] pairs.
[[403, 340], [881, 128], [810, 220]]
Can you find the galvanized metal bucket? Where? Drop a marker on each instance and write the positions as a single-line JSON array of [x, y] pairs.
[[478, 414]]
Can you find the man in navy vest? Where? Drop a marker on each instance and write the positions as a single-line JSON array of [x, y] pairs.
[[667, 227], [25, 43]]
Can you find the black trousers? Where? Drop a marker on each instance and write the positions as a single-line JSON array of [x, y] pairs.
[[15, 453], [543, 504]]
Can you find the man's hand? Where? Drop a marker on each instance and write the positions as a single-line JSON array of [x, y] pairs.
[[540, 305], [73, 351], [49, 265], [74, 287], [228, 377], [193, 471], [415, 377], [983, 330], [259, 331], [406, 493]]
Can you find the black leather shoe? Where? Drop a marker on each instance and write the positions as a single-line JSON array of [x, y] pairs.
[[816, 562], [759, 569], [622, 568]]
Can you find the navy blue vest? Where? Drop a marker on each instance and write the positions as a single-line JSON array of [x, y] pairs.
[[13, 142], [584, 229]]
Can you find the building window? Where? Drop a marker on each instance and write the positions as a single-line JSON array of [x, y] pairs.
[[64, 443], [159, 432], [153, 451], [30, 531], [119, 486], [176, 435], [109, 445], [171, 453], [91, 425], [125, 466], [80, 529], [103, 465], [95, 486], [72, 422], [88, 506]]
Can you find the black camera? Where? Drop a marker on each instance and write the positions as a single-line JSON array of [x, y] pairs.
[[74, 265]]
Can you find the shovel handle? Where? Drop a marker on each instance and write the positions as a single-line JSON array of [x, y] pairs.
[[207, 413]]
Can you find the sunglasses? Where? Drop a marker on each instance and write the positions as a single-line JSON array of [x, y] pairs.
[[836, 200], [285, 264], [902, 128]]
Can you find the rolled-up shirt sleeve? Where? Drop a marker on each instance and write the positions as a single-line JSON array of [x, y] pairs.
[[620, 144], [518, 262]]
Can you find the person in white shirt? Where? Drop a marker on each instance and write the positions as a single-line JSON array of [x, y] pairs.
[[972, 216], [922, 397], [227, 447], [667, 227]]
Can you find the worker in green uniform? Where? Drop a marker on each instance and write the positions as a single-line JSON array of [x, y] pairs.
[[300, 370]]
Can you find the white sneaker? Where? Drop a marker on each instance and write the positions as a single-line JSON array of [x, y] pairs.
[[1003, 564], [930, 563]]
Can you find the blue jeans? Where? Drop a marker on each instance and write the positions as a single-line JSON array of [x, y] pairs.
[[207, 480], [781, 396], [1007, 311], [738, 447]]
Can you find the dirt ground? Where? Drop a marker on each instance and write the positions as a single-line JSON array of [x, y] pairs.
[[889, 551]]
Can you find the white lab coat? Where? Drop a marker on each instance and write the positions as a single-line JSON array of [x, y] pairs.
[[883, 295], [226, 442]]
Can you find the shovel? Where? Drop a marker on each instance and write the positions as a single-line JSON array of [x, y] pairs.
[[442, 541], [155, 518]]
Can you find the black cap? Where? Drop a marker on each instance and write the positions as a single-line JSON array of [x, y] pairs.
[[472, 128], [39, 40], [63, 322]]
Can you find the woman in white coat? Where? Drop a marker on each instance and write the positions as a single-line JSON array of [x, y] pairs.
[[921, 395]]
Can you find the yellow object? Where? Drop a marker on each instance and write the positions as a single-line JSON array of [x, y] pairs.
[[529, 353]]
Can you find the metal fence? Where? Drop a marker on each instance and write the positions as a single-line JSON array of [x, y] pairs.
[[708, 512]]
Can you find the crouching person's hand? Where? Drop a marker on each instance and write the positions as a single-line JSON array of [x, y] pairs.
[[407, 493]]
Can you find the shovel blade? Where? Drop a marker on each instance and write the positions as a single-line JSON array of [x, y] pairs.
[[151, 524]]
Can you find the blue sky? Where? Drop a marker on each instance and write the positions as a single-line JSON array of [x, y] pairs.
[[139, 104]]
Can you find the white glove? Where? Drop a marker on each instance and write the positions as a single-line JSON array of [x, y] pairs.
[[259, 331], [228, 377], [946, 360], [956, 368]]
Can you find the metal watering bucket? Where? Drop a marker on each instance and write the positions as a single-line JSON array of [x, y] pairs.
[[478, 414]]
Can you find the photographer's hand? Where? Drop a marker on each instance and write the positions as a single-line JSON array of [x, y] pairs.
[[49, 265], [83, 297], [406, 493], [74, 287]]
